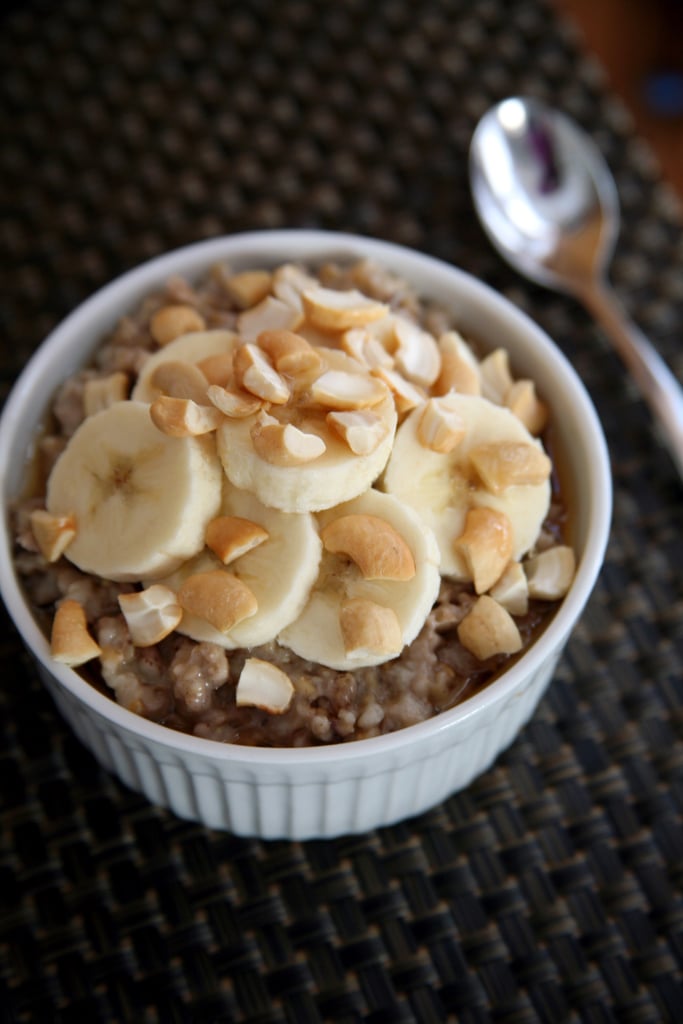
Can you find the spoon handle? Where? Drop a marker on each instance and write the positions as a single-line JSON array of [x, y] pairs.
[[657, 384]]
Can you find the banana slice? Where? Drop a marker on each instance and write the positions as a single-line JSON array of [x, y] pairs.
[[141, 500], [189, 348], [278, 455], [279, 572], [442, 486], [378, 580]]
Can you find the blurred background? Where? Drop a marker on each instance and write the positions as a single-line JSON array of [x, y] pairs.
[[640, 45]]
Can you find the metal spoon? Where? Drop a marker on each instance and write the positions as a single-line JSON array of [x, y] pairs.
[[548, 202]]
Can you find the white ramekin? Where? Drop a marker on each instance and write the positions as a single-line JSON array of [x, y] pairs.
[[343, 788]]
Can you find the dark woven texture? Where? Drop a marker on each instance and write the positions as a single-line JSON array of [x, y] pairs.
[[551, 890]]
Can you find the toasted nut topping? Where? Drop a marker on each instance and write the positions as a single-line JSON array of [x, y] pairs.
[[486, 546], [488, 630], [416, 354], [255, 373], [289, 283], [283, 444], [379, 551], [361, 429], [236, 404], [496, 378], [229, 537], [522, 400], [512, 590], [459, 367], [441, 428], [70, 642], [263, 685], [338, 389], [289, 352], [179, 379], [218, 597], [101, 392], [332, 310], [248, 287], [170, 322], [367, 349], [270, 314], [550, 573], [369, 629], [181, 417], [406, 395], [217, 368], [150, 614], [53, 534], [503, 464]]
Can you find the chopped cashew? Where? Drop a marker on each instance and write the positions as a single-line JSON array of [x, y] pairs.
[[459, 367], [289, 352], [522, 400], [512, 590], [406, 395], [101, 392], [217, 596], [248, 287], [283, 444], [416, 354], [550, 573], [503, 464], [441, 428], [52, 534], [496, 378], [339, 389], [289, 283], [180, 379], [488, 630], [150, 614], [486, 546], [263, 685], [270, 314], [379, 550], [369, 629], [332, 310], [70, 642], [233, 402], [218, 368], [362, 429], [229, 537], [255, 373], [170, 322], [181, 417], [364, 347]]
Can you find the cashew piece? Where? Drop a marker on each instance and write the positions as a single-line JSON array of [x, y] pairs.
[[172, 321], [369, 629], [218, 597], [379, 551], [70, 642], [488, 630]]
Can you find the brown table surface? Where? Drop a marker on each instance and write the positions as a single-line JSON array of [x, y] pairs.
[[551, 889]]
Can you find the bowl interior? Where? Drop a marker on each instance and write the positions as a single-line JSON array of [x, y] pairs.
[[479, 312]]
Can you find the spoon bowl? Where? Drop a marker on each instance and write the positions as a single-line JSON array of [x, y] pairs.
[[548, 202]]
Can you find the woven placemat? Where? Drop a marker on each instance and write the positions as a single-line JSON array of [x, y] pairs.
[[551, 889]]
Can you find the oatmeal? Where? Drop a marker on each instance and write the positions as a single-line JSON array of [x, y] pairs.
[[292, 507]]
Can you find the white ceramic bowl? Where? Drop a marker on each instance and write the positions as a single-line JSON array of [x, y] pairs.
[[342, 788]]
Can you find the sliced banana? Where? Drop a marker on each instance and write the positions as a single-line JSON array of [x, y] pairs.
[[352, 619], [189, 348], [279, 572], [251, 448], [141, 500], [443, 486]]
